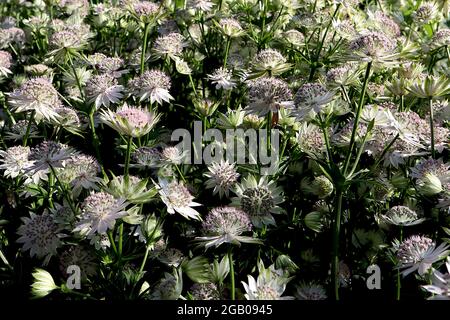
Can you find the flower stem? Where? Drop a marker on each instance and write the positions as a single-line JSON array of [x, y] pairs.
[[144, 261], [357, 117], [30, 123], [180, 173], [433, 151], [95, 140], [336, 233], [144, 45], [227, 50], [232, 282], [399, 281], [119, 249], [127, 158]]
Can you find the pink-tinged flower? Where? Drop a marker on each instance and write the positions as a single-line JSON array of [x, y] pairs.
[[130, 121], [153, 85], [177, 198], [103, 89]]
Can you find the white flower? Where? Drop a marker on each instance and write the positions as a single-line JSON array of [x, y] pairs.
[[258, 198], [310, 291], [440, 285], [270, 285], [225, 225], [402, 216], [40, 234], [153, 85], [222, 177], [100, 211], [15, 161], [43, 283], [177, 198], [103, 89], [418, 253], [222, 78]]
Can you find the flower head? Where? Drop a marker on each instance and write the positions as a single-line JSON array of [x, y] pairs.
[[171, 45], [130, 121], [5, 63], [153, 85], [270, 61], [310, 99], [401, 216], [38, 95], [222, 78], [100, 211], [80, 171], [259, 199], [43, 283], [39, 234], [230, 27], [146, 157], [268, 94], [226, 225], [222, 177], [177, 198], [15, 161], [205, 291], [418, 253], [373, 46], [103, 89], [80, 256], [310, 291]]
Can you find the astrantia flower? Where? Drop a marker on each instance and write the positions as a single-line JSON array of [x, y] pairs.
[[172, 155], [418, 253], [270, 61], [205, 291], [225, 225], [177, 198], [270, 285], [383, 22], [430, 87], [130, 121], [50, 153], [200, 5], [18, 130], [103, 89], [5, 63], [401, 216], [15, 161], [145, 11], [100, 211], [425, 13], [39, 234], [222, 177], [171, 45], [230, 27], [37, 94], [64, 43], [153, 85], [169, 287], [440, 284], [440, 38], [430, 175], [344, 75], [146, 157], [222, 78], [373, 46], [43, 283], [171, 257], [258, 198], [268, 94], [80, 171], [293, 37], [80, 256], [232, 119], [310, 99], [133, 189], [310, 291], [310, 139], [105, 64]]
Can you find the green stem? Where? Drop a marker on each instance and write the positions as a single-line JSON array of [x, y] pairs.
[[193, 86], [111, 240], [77, 79], [119, 249], [227, 50], [319, 50], [357, 118], [30, 123], [269, 128], [433, 151], [127, 157], [336, 233], [95, 140], [399, 282], [144, 46], [144, 261], [360, 151], [180, 173], [64, 191], [232, 281]]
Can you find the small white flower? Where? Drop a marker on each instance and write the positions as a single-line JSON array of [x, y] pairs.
[[177, 198], [222, 78]]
